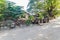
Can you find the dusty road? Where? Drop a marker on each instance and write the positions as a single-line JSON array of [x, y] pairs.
[[49, 31]]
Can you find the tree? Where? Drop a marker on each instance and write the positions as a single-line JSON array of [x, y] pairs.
[[51, 6], [12, 11], [34, 6], [47, 7], [2, 7]]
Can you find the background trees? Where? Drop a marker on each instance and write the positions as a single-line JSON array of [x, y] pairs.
[[51, 6], [46, 7], [2, 7], [12, 11], [34, 6], [8, 10], [43, 10], [9, 13]]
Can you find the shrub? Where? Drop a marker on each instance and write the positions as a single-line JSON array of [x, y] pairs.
[[28, 22]]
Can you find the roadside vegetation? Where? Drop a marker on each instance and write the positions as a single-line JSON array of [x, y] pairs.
[[38, 12]]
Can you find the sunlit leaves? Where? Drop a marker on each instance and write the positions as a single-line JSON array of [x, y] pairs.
[[58, 4], [2, 5], [31, 17]]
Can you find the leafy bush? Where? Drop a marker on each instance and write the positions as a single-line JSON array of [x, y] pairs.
[[1, 17], [28, 22], [31, 17], [40, 16]]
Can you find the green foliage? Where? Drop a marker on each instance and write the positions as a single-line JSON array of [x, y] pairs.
[[2, 5], [31, 17], [47, 7], [34, 6], [1, 17], [40, 15], [12, 11], [22, 15], [51, 7], [28, 22]]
